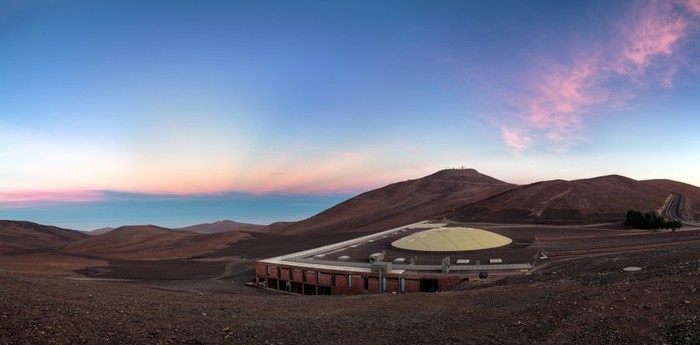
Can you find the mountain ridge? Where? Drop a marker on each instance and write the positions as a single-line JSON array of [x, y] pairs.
[[463, 195], [401, 203], [222, 226], [598, 199], [24, 236], [148, 242]]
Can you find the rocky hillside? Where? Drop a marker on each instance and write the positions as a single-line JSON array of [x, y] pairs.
[[20, 236], [223, 226], [151, 242], [599, 199], [401, 203]]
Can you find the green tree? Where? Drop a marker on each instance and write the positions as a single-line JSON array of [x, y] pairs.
[[650, 220]]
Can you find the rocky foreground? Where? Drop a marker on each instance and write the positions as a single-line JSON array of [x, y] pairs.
[[589, 301]]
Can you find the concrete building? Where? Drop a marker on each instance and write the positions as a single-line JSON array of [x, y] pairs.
[[369, 265]]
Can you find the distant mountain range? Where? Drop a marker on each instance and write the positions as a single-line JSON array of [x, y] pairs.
[[456, 194], [223, 226], [151, 242]]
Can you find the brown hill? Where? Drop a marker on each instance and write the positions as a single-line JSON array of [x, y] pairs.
[[23, 236], [223, 226], [100, 231], [401, 203], [600, 199], [151, 242]]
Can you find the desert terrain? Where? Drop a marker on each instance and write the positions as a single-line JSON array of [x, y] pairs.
[[587, 299], [147, 284]]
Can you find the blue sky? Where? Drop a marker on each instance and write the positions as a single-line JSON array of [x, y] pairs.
[[319, 98]]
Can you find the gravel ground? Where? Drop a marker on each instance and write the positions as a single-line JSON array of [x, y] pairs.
[[570, 302]]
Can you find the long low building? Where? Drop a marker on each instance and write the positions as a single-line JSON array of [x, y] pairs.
[[380, 262]]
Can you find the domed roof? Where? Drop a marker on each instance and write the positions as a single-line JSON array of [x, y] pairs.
[[451, 239]]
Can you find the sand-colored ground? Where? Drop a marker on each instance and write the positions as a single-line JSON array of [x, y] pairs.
[[48, 263], [451, 239]]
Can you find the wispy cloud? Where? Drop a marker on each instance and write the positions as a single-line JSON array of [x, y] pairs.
[[560, 98], [345, 154], [514, 139], [655, 31], [33, 198], [644, 51], [693, 6]]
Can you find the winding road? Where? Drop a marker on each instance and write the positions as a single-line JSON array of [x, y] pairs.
[[674, 210]]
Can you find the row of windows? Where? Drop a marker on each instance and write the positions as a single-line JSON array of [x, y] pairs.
[[304, 275]]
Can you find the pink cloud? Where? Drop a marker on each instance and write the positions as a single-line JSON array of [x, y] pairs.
[[560, 97], [653, 33], [557, 100], [32, 197], [514, 139], [693, 6]]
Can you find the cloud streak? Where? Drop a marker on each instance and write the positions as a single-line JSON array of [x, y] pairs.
[[655, 32], [33, 198], [514, 139], [693, 6], [645, 50]]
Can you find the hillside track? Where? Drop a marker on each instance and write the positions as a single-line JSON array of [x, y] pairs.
[[674, 210]]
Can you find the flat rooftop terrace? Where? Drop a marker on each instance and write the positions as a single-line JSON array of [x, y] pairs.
[[353, 255]]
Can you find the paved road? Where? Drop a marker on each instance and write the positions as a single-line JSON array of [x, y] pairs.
[[674, 210]]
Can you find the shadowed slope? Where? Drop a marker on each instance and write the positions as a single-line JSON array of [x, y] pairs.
[[22, 236], [151, 242], [100, 231], [605, 198], [223, 226]]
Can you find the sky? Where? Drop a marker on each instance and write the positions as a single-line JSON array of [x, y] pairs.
[[280, 109]]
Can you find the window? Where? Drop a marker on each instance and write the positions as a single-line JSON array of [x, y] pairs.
[[349, 281]]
